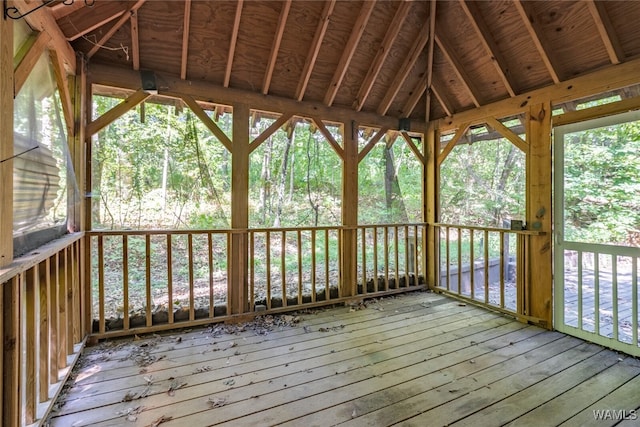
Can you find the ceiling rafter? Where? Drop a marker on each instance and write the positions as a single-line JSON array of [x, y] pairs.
[[232, 43], [405, 69], [607, 31], [185, 39], [60, 10], [472, 11], [135, 41], [381, 55], [443, 101], [90, 19], [349, 50], [315, 48], [430, 51], [464, 78], [282, 22], [416, 94], [533, 27], [125, 16]]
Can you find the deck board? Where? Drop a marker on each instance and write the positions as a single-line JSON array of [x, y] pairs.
[[415, 359]]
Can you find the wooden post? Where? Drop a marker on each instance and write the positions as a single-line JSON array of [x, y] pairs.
[[6, 142], [85, 189], [238, 261], [538, 212], [349, 252], [430, 208], [11, 392]]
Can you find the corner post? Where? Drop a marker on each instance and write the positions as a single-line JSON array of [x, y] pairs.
[[430, 208], [538, 213], [349, 276], [238, 261]]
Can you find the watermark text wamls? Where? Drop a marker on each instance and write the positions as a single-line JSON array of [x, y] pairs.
[[615, 414]]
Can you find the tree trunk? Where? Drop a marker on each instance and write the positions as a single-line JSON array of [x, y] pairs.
[[283, 179], [509, 164], [265, 177], [396, 209]]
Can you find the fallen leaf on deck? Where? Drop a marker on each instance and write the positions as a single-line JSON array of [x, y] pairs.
[[162, 419], [129, 396], [216, 402], [175, 385], [229, 382]]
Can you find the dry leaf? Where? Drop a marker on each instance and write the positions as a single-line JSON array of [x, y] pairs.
[[175, 385], [229, 382], [162, 419], [129, 396], [216, 402]]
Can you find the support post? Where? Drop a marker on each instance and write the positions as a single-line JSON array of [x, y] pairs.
[[238, 261], [538, 213], [349, 252], [430, 207], [6, 142]]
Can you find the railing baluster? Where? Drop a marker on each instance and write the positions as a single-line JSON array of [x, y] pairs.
[[101, 319], [170, 277], [45, 328], [634, 300], [486, 267], [339, 263], [386, 258], [396, 253], [448, 258], [375, 259], [227, 299], [363, 248], [614, 294], [406, 255], [313, 265], [268, 265], [596, 291], [327, 290], [299, 235], [192, 310], [283, 267], [125, 281], [459, 260], [472, 266], [147, 264], [211, 290], [30, 349], [502, 265], [54, 326], [579, 290]]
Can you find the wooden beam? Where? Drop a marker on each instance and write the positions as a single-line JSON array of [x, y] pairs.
[[607, 31], [536, 34], [238, 289], [431, 50], [116, 112], [539, 278], [605, 79], [86, 20], [41, 20], [372, 143], [63, 90], [630, 104], [232, 43], [509, 134], [315, 48], [119, 23], [407, 65], [381, 55], [185, 39], [431, 205], [135, 41], [330, 139], [413, 147], [284, 118], [452, 143], [206, 120], [282, 22], [6, 145], [27, 58], [464, 78], [173, 86], [481, 28], [349, 50], [60, 10]]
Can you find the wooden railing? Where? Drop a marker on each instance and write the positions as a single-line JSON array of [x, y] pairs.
[[144, 281], [486, 266], [43, 324]]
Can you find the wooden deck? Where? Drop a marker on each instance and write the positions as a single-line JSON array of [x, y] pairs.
[[418, 359]]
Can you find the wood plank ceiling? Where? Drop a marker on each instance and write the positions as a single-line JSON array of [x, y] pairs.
[[363, 55]]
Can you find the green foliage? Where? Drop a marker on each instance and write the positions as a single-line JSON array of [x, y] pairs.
[[483, 184], [602, 183]]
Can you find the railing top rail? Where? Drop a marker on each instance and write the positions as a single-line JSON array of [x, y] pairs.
[[494, 229], [243, 230], [25, 262]]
